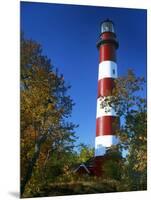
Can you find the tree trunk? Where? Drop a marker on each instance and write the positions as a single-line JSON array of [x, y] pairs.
[[32, 163]]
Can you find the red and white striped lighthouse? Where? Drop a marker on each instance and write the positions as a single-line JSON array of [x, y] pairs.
[[106, 116]]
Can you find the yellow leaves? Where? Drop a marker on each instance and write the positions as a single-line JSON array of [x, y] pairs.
[[34, 102], [141, 163], [123, 137], [142, 138], [44, 104], [42, 158]]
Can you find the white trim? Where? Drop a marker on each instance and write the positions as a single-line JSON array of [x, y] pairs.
[[106, 141], [107, 69], [105, 111], [82, 165]]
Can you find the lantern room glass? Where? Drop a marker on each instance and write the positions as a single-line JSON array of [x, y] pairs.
[[107, 26]]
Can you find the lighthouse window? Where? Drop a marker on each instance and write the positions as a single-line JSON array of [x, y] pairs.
[[113, 71], [107, 26]]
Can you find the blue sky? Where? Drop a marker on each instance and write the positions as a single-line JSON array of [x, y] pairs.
[[68, 35]]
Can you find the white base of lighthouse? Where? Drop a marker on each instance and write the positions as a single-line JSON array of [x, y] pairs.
[[103, 142]]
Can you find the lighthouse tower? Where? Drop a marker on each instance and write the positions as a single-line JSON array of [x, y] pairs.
[[106, 117]]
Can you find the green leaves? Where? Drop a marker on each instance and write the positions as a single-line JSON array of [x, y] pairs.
[[85, 153], [132, 108], [129, 102]]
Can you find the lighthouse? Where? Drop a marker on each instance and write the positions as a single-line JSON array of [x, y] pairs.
[[106, 116], [107, 120]]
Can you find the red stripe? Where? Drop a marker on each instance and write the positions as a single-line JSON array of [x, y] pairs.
[[106, 125], [107, 52], [108, 36], [105, 86]]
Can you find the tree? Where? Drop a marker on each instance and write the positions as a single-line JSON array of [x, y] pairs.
[[45, 107], [85, 153], [130, 102], [136, 165], [112, 167]]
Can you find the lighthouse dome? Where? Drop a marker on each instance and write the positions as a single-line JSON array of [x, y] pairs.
[[107, 26]]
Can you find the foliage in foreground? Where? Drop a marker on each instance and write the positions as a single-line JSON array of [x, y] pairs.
[[82, 185]]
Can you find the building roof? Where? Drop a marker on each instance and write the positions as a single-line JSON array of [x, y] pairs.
[[84, 166]]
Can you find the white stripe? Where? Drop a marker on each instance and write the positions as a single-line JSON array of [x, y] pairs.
[[106, 141], [104, 111], [107, 69]]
